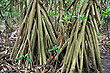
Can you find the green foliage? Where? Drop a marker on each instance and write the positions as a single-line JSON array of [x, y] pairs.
[[21, 0], [0, 28], [54, 48], [19, 58], [70, 13], [67, 0], [50, 50], [22, 56], [108, 10], [26, 54], [29, 60], [79, 1], [8, 10], [52, 13], [58, 51], [99, 34], [83, 18], [105, 13]]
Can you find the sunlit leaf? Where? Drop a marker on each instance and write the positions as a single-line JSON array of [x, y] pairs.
[[99, 34], [29, 60], [26, 54], [19, 58]]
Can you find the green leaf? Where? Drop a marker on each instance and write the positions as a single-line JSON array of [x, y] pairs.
[[58, 51], [0, 28], [22, 56], [50, 50], [103, 11], [79, 1], [29, 60], [19, 58], [21, 0], [70, 13], [106, 16], [51, 13], [53, 48], [56, 47], [82, 18], [108, 10], [65, 17], [26, 54], [73, 18], [67, 0], [99, 34]]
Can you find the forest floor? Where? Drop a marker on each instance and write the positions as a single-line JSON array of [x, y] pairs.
[[9, 66], [104, 44]]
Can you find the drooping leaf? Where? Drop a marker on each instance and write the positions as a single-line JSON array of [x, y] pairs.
[[19, 58], [58, 51], [22, 56], [26, 54], [99, 34], [29, 60]]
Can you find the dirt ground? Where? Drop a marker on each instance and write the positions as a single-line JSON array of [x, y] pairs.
[[105, 59], [7, 64]]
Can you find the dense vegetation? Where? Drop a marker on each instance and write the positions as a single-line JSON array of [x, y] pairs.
[[61, 33]]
